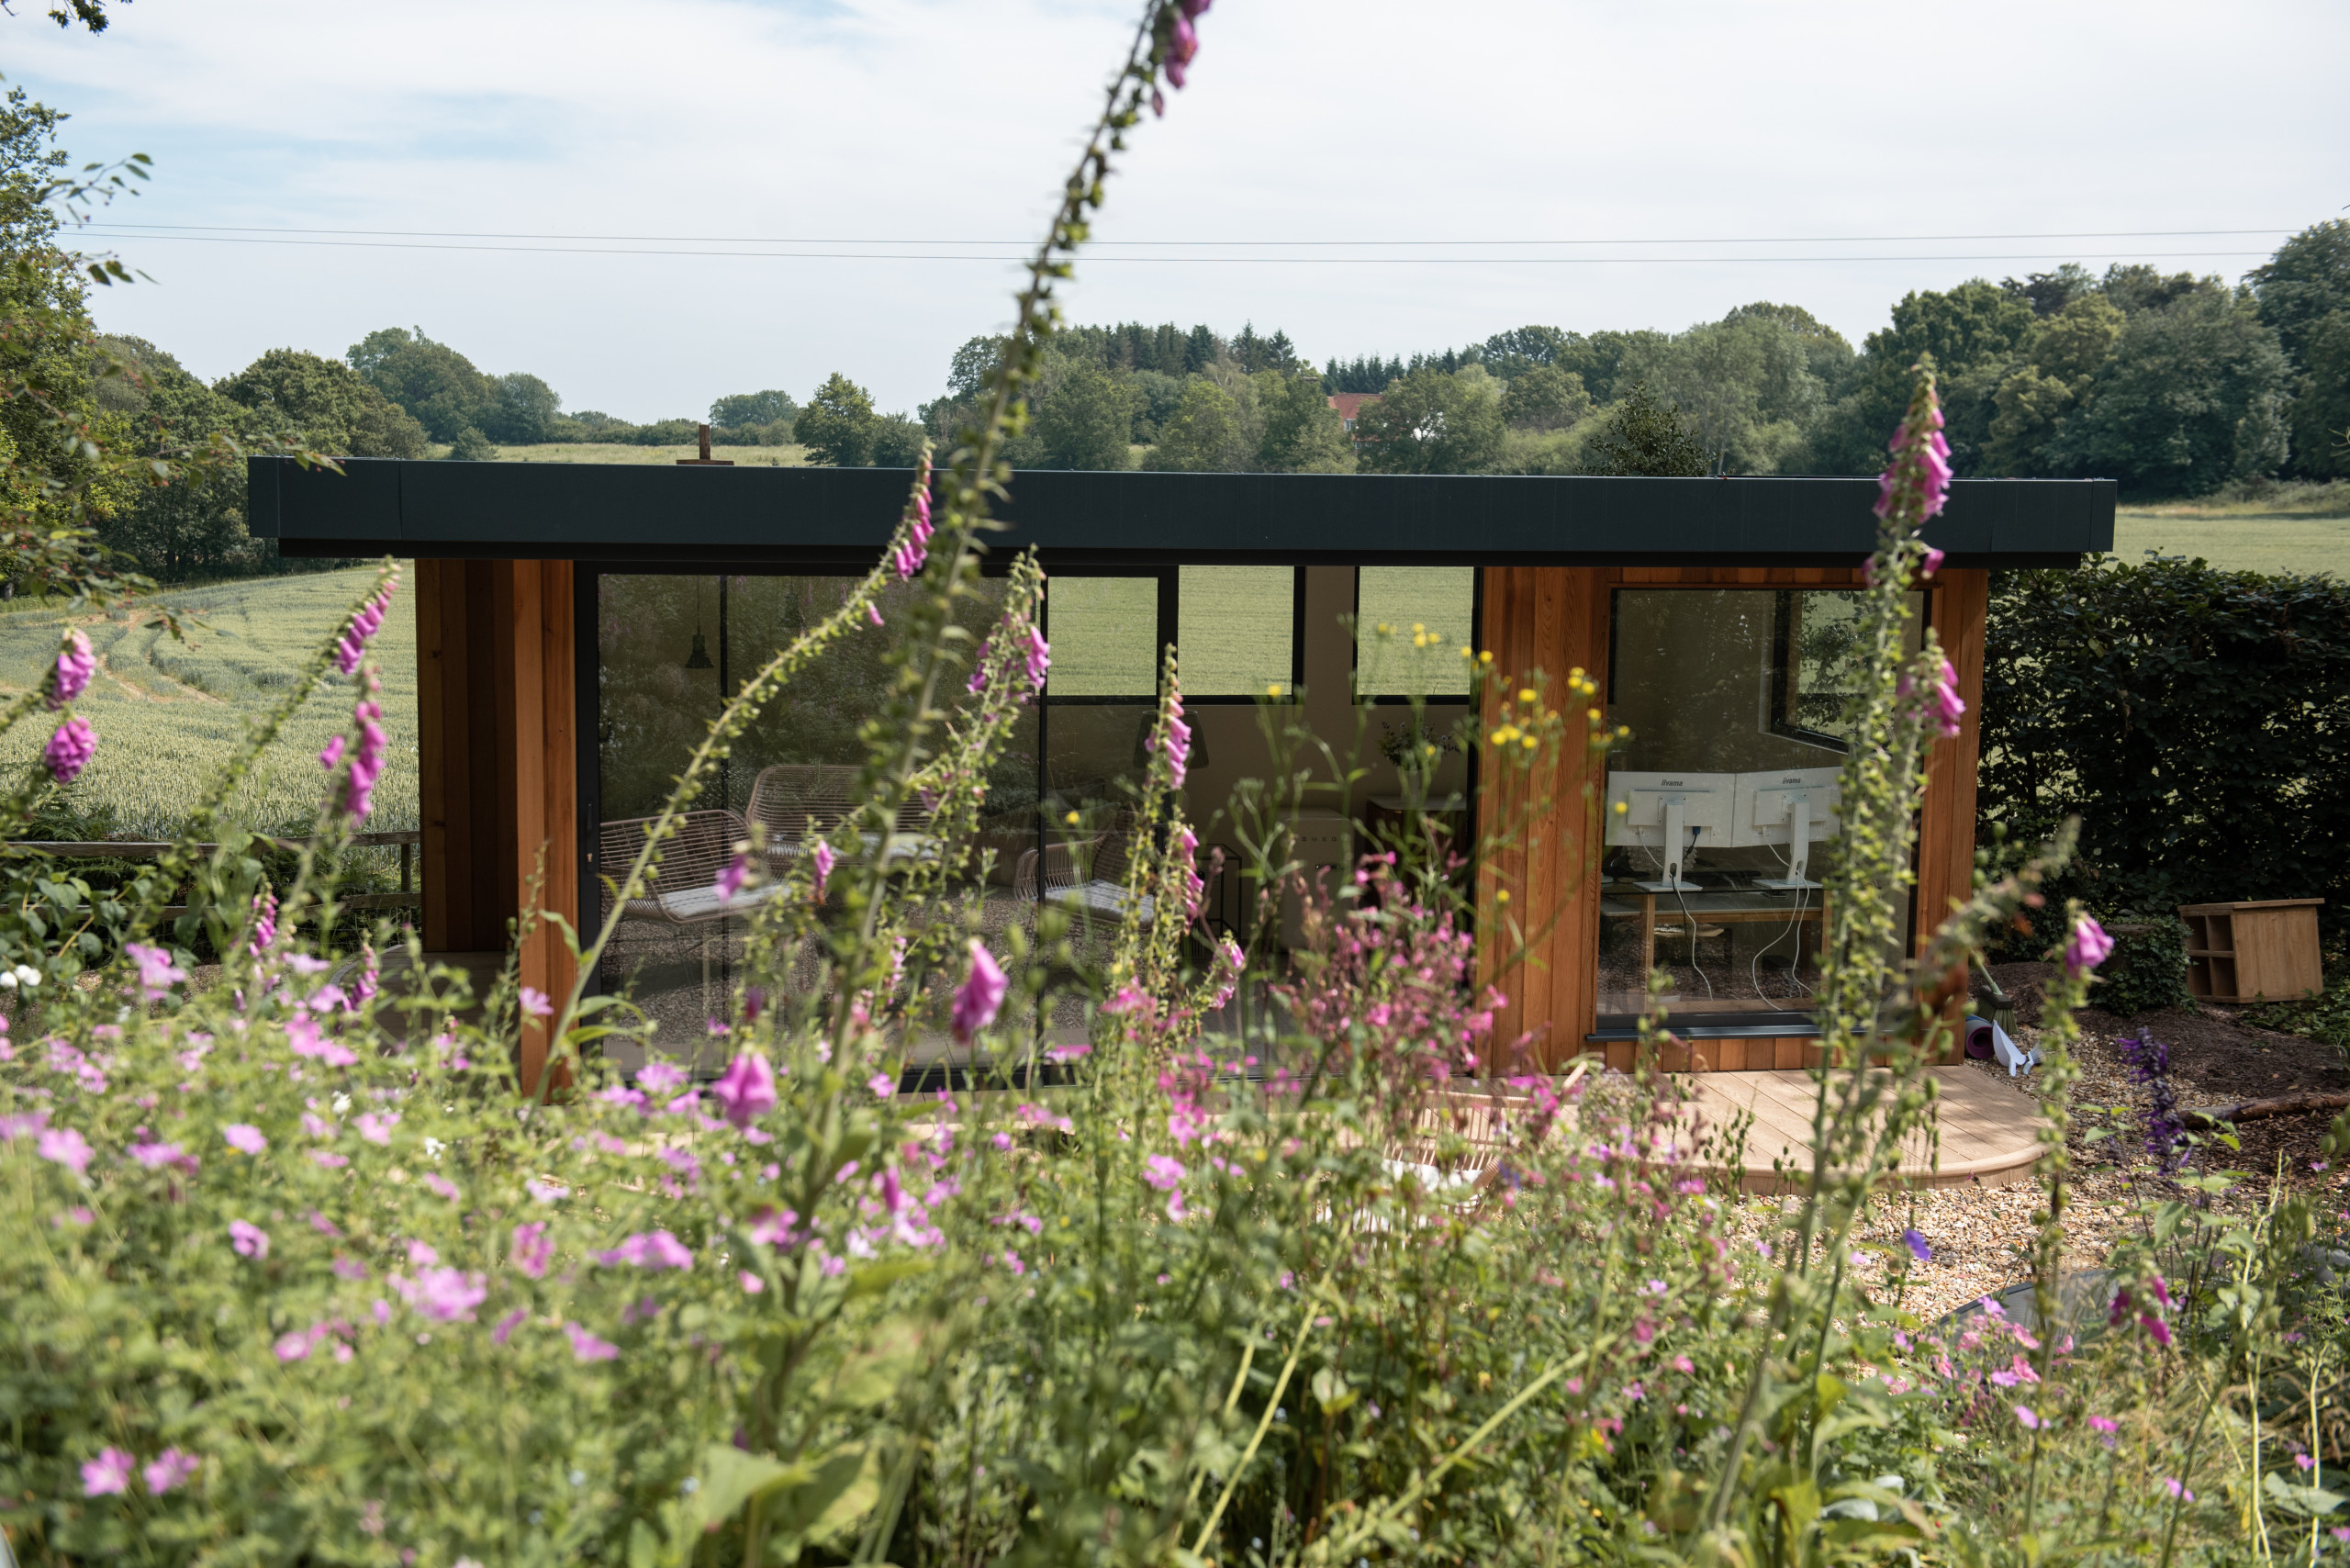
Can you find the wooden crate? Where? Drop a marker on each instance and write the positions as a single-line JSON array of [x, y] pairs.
[[2251, 952]]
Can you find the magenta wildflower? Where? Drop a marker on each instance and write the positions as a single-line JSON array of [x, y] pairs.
[[982, 994], [883, 1085], [170, 1470], [1918, 1247], [440, 1186], [361, 627], [825, 859], [1040, 657], [752, 1284], [66, 1147], [2176, 1489], [376, 1126], [156, 1156], [24, 1124], [2029, 1416], [536, 1003], [1163, 1171], [108, 1474], [978, 668], [265, 921], [531, 1251], [248, 1240], [747, 1090], [654, 1250], [1949, 706], [586, 1347], [731, 877], [367, 761], [508, 1324], [660, 1077], [1182, 44], [872, 613], [1916, 482], [444, 1295], [1933, 561], [76, 665], [247, 1139], [70, 750], [2089, 946]]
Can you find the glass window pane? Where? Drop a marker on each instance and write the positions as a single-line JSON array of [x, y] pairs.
[[1234, 630], [1395, 604], [1104, 633]]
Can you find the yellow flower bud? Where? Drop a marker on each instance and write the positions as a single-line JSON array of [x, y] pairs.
[[1594, 714], [1501, 895], [1526, 694], [1418, 628], [1622, 807], [1072, 819], [1468, 653], [1487, 658], [1531, 743]]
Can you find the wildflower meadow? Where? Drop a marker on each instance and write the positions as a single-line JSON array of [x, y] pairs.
[[298, 1269]]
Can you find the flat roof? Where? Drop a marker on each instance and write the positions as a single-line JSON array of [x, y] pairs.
[[811, 517]]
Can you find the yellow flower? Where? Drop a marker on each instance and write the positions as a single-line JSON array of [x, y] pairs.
[[1594, 714], [1385, 630], [1487, 658], [1072, 819], [1418, 628], [1622, 807], [1526, 694], [1273, 689], [1531, 743], [1501, 895], [1468, 653]]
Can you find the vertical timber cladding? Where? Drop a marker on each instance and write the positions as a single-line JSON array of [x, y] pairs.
[[1957, 609], [497, 693], [1540, 945]]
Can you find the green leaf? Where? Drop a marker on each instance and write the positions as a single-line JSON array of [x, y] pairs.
[[731, 1477], [2308, 1501], [875, 1278], [643, 1546], [873, 1372], [825, 1508]]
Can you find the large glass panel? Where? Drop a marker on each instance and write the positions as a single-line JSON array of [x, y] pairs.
[[1411, 623], [1738, 702], [1235, 630], [669, 647]]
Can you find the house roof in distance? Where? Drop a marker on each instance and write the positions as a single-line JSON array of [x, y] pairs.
[[786, 519]]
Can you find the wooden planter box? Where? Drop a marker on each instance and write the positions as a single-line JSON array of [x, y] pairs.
[[2253, 952]]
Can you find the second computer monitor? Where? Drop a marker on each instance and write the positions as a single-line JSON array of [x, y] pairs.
[[1791, 808], [1671, 814]]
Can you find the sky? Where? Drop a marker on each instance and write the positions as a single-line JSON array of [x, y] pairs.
[[1370, 176]]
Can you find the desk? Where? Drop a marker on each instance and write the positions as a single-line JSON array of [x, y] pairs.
[[1741, 906]]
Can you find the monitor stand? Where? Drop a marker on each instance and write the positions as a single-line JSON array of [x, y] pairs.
[[1798, 849], [1675, 835]]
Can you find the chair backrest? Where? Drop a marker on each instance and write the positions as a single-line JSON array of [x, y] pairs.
[[794, 799], [692, 857]]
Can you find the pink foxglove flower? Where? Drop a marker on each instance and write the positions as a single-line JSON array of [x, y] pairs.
[[1182, 44], [367, 761], [246, 1138], [979, 670], [265, 921], [825, 859], [1933, 561], [1040, 659], [1916, 482], [982, 994], [586, 1347], [248, 1240], [332, 754], [2089, 946], [1949, 706], [364, 623], [76, 665], [370, 979], [170, 1470], [70, 750], [65, 1146], [747, 1091], [873, 613], [731, 877], [108, 1474]]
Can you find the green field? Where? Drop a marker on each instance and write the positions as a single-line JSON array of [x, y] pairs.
[[2302, 529], [169, 715], [612, 451]]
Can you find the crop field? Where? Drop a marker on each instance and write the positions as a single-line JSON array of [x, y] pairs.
[[169, 715], [611, 452], [2302, 529]]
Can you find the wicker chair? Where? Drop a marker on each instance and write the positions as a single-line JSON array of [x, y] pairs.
[[684, 888], [1087, 877], [801, 801]]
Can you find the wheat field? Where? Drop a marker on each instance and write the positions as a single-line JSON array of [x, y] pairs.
[[169, 715]]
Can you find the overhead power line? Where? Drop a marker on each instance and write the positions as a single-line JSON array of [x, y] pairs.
[[232, 229], [1319, 261]]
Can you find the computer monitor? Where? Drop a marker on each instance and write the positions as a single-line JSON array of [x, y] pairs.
[[1671, 814], [1790, 806]]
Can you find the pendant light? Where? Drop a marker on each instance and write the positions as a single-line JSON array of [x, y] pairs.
[[699, 657]]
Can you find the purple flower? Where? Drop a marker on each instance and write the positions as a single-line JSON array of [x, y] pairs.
[[1163, 1171], [2089, 946], [246, 1138], [531, 1251], [248, 1240], [444, 1295], [1920, 471], [108, 1474], [872, 613], [155, 1156], [2148, 1061], [66, 1147], [586, 1347], [2029, 1416], [168, 1469], [1178, 745], [660, 1077], [655, 1250], [1950, 706], [265, 921], [1933, 561], [25, 1124], [376, 1126], [367, 762], [982, 994], [824, 860], [730, 877], [536, 1003], [978, 668], [331, 754], [440, 1185], [747, 1090], [70, 750], [1040, 657], [76, 665], [1918, 1247], [508, 1324], [363, 624]]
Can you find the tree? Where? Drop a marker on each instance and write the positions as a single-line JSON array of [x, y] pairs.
[[2063, 353], [897, 442], [1155, 396], [1302, 433], [1433, 421], [522, 409], [2321, 411], [435, 384], [1544, 398], [1644, 438], [1513, 352], [2048, 293], [746, 410], [1973, 331], [471, 446], [293, 392], [1203, 435], [838, 425], [195, 526], [1200, 350], [2305, 281], [2192, 396], [1085, 419]]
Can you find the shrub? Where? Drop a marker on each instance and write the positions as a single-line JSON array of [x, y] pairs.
[[2148, 969]]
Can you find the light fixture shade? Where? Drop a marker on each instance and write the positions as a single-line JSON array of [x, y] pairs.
[[699, 657]]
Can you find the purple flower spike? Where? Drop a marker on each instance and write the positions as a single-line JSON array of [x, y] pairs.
[[982, 994], [2088, 947], [76, 665], [825, 859], [1040, 659], [1918, 1247], [70, 750], [747, 1091]]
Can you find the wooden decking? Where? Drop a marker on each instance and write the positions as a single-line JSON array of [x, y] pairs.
[[1989, 1133]]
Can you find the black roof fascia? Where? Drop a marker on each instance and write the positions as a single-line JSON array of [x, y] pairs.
[[812, 517]]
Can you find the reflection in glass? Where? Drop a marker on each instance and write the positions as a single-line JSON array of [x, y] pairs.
[[1104, 633], [1394, 605], [1236, 628], [1739, 704]]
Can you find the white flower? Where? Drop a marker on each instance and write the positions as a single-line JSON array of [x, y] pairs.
[[27, 975]]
